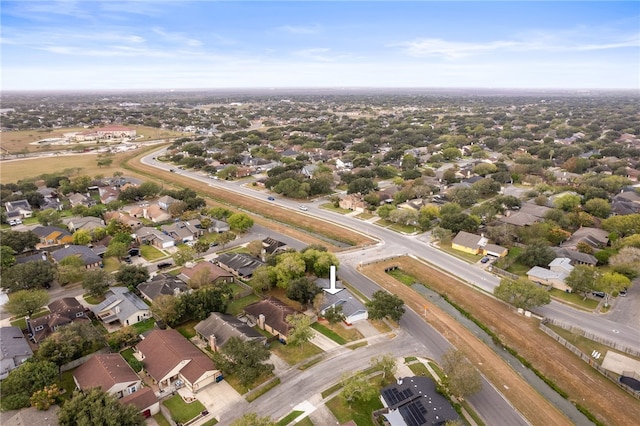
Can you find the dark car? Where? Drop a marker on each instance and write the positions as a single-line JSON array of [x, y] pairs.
[[172, 170], [271, 199], [485, 259], [598, 293], [164, 265], [134, 252]]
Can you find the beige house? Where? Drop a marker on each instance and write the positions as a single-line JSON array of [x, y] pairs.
[[477, 244], [559, 270]]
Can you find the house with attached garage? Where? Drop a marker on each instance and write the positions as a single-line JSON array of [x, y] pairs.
[[87, 255], [18, 209], [477, 244], [162, 284], [334, 295], [154, 237], [52, 236], [121, 307], [271, 315], [218, 328], [171, 360], [555, 276], [63, 311]]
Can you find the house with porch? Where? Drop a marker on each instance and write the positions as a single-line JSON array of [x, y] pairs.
[[271, 314], [109, 372], [170, 359], [477, 244]]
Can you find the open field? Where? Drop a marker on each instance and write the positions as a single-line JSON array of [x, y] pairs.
[[17, 141], [583, 384]]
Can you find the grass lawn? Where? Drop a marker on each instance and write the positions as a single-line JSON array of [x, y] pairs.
[[186, 328], [435, 367], [295, 354], [574, 298], [359, 412], [236, 306], [365, 216], [407, 229], [111, 264], [305, 422], [92, 300], [159, 418], [419, 369], [381, 326], [289, 418], [329, 333], [242, 389], [21, 323], [143, 326], [518, 269], [181, 412], [329, 206], [151, 253], [210, 422], [403, 277], [68, 384]]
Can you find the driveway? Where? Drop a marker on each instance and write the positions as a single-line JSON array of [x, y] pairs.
[[218, 397]]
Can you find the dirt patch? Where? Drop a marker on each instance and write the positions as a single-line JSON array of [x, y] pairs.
[[584, 385]]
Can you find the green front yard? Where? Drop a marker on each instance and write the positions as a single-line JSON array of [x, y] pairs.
[[467, 257], [294, 354], [574, 298], [359, 411], [151, 253], [181, 412], [110, 264], [329, 206], [145, 325]]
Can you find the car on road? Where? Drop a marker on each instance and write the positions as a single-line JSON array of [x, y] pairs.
[[164, 265], [271, 198], [303, 208], [172, 170], [623, 292]]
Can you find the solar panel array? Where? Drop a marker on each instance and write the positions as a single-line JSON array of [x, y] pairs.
[[393, 396], [414, 413]]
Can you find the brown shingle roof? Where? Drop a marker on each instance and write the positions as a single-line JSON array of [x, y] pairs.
[[215, 271], [163, 350], [142, 399], [275, 313], [104, 371]]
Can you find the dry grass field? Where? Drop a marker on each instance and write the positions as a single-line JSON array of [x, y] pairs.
[[583, 384], [15, 142]]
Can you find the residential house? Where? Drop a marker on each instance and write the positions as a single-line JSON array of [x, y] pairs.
[[125, 218], [415, 401], [108, 194], [155, 213], [594, 237], [52, 236], [121, 307], [62, 312], [181, 232], [239, 264], [109, 372], [89, 257], [18, 209], [86, 223], [165, 202], [14, 349], [626, 202], [169, 358], [352, 308], [218, 328], [353, 202], [559, 270], [271, 315], [477, 244], [77, 199], [271, 246], [214, 273], [152, 236], [577, 258], [162, 284], [528, 214]]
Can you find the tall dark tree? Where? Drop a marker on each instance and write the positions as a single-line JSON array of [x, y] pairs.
[[244, 359], [19, 241], [302, 290], [132, 275], [98, 408], [30, 275], [385, 305], [24, 381]]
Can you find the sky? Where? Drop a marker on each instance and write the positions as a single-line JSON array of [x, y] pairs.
[[177, 44]]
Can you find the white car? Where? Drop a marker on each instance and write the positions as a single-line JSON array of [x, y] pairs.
[[304, 208]]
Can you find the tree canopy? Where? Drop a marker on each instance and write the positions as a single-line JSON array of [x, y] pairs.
[[98, 408], [462, 378], [522, 293], [22, 382], [244, 359], [26, 302], [385, 305], [30, 275]]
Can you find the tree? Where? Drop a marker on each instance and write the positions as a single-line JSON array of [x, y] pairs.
[[263, 279], [598, 207], [167, 308], [582, 279], [225, 238], [612, 282], [522, 293], [98, 408], [7, 257], [117, 249], [46, 397], [385, 363], [462, 378], [255, 248], [96, 282], [289, 266], [357, 388], [71, 342], [244, 359], [537, 254], [567, 202], [459, 222], [24, 381], [81, 237], [334, 314], [20, 241], [240, 222], [384, 305], [124, 337], [49, 217], [252, 419], [200, 246], [361, 186], [30, 275], [623, 225], [132, 275], [25, 302], [71, 269], [319, 262], [300, 330], [451, 153], [302, 290], [183, 255], [627, 262]]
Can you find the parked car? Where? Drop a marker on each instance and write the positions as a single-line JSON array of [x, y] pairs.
[[164, 265], [598, 293], [623, 292], [12, 222], [485, 259], [304, 208]]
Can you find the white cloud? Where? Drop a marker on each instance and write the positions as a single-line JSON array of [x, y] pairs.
[[300, 29]]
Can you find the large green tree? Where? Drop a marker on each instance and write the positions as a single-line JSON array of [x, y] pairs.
[[30, 275], [244, 359], [97, 281], [357, 387], [240, 222], [132, 275], [167, 308], [537, 253], [26, 302], [385, 305], [612, 282], [19, 241], [7, 257], [300, 331], [582, 279], [30, 377], [522, 293], [98, 408], [462, 379]]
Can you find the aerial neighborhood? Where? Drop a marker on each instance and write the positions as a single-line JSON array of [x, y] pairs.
[[260, 242]]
